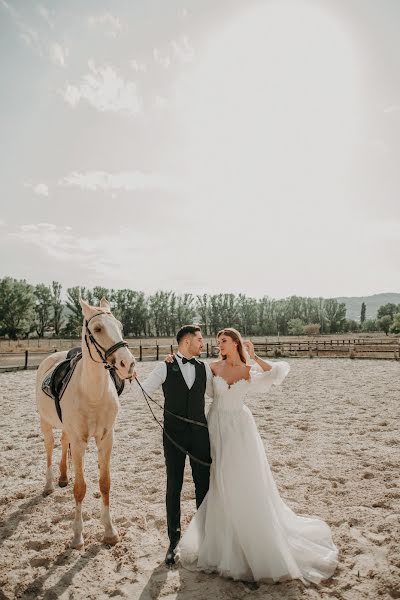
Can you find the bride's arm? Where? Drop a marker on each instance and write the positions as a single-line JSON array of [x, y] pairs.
[[261, 363]]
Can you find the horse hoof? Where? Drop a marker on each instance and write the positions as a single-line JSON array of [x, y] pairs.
[[47, 491], [111, 540], [62, 482], [77, 545]]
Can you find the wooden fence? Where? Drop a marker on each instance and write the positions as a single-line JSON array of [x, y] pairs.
[[385, 348]]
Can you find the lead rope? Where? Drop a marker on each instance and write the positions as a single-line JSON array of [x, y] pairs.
[[147, 398]]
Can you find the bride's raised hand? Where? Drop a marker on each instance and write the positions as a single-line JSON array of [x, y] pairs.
[[169, 358], [250, 348]]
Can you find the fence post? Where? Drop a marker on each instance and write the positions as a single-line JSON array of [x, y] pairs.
[[207, 351], [172, 350], [157, 354], [140, 353], [26, 360]]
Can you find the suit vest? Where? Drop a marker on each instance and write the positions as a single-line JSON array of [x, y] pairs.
[[181, 400]]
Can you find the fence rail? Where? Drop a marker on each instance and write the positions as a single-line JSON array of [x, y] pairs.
[[333, 348]]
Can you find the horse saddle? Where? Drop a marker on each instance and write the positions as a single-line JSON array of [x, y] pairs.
[[56, 381]]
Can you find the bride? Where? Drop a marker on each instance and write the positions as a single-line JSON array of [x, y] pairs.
[[243, 529]]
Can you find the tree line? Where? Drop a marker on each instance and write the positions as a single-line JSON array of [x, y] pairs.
[[39, 310]]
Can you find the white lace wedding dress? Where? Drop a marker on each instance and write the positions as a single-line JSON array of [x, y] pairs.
[[243, 529]]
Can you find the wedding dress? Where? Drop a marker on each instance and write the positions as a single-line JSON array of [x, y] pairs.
[[243, 529]]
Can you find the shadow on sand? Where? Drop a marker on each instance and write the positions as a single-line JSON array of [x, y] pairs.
[[35, 588]]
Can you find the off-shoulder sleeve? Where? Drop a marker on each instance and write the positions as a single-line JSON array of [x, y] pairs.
[[264, 380]]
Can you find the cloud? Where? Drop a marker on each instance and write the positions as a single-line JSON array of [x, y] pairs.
[[126, 181], [105, 91], [139, 67], [57, 54], [179, 51], [45, 14], [391, 109], [40, 189], [182, 50], [160, 102], [164, 61], [100, 255], [33, 39], [110, 25]]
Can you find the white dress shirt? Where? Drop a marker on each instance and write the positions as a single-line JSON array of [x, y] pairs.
[[157, 377]]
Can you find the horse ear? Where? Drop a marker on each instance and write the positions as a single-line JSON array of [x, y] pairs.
[[104, 303], [86, 309]]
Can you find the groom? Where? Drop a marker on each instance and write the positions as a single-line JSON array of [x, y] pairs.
[[184, 382]]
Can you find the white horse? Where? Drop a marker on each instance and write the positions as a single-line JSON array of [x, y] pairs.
[[89, 407]]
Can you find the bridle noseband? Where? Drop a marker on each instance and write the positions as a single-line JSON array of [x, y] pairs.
[[102, 352]]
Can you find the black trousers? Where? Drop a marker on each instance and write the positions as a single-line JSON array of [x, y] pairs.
[[196, 441]]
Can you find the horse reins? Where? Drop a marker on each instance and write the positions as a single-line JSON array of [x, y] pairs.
[[147, 397], [107, 353]]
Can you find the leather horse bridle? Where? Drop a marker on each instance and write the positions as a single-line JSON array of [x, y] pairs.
[[102, 352]]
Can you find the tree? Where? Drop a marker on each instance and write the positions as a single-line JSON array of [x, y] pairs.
[[363, 313], [42, 308], [247, 314], [351, 326], [335, 313], [385, 323], [185, 310], [370, 325], [295, 327], [395, 328], [57, 306], [75, 318], [387, 310], [131, 310], [312, 329], [17, 304], [203, 308]]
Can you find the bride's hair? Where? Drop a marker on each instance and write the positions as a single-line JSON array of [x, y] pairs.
[[236, 337]]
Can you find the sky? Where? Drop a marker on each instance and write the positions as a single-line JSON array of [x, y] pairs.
[[240, 146]]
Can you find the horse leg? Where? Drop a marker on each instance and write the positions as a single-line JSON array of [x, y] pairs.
[[49, 445], [104, 447], [63, 480], [78, 448]]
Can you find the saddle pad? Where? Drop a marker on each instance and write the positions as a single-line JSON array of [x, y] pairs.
[[56, 381]]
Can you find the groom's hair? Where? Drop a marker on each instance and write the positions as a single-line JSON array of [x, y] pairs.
[[186, 330]]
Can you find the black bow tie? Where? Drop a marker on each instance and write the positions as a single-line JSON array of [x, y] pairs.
[[186, 360]]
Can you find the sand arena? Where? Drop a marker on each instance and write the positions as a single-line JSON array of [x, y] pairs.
[[332, 438]]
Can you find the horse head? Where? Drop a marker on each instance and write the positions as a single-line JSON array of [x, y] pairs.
[[103, 336]]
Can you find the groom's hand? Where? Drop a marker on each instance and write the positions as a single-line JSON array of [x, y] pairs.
[[169, 358]]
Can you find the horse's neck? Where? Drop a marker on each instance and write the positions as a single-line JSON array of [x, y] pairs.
[[92, 368]]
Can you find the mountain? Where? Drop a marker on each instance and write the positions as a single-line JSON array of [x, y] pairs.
[[353, 304]]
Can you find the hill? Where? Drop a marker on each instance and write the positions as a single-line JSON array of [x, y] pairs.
[[353, 304]]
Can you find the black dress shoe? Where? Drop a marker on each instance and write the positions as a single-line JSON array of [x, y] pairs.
[[170, 556]]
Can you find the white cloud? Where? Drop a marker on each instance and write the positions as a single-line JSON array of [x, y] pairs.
[[164, 61], [127, 180], [139, 67], [182, 50], [160, 102], [92, 254], [42, 46], [45, 14], [57, 54], [391, 109], [40, 189], [105, 90], [110, 25]]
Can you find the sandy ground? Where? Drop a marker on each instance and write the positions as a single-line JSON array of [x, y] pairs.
[[331, 435]]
